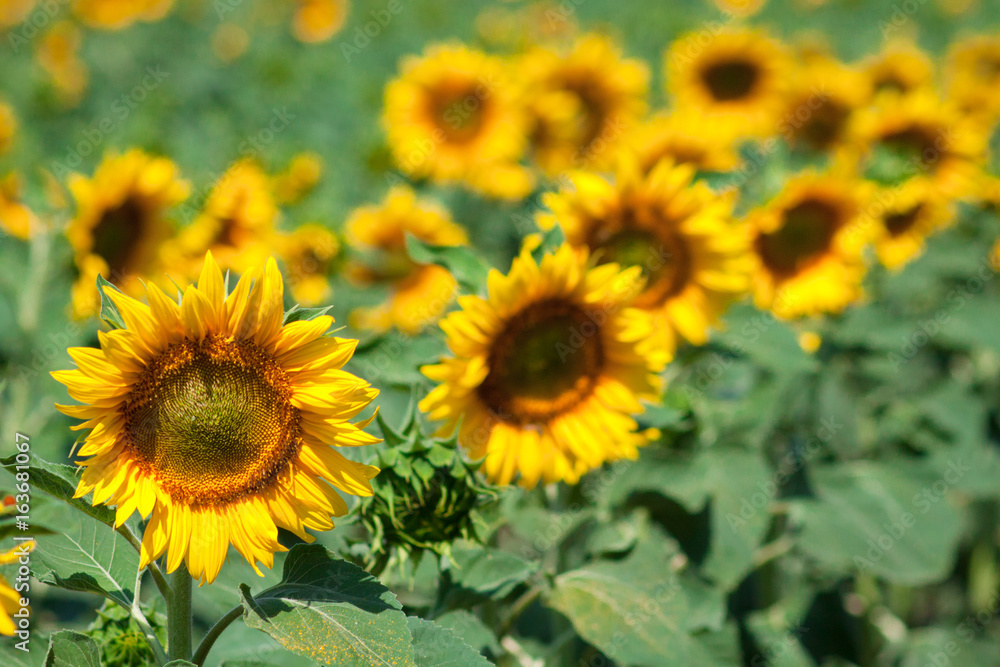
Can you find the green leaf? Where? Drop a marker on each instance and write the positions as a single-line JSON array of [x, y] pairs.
[[489, 571], [551, 241], [462, 262], [60, 481], [471, 629], [109, 311], [299, 314], [894, 521], [635, 610], [88, 557], [437, 646], [72, 649], [332, 612]]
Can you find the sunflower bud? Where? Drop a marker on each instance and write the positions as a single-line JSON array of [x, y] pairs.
[[122, 642], [426, 497]]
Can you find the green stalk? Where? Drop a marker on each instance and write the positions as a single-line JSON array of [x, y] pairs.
[[179, 615]]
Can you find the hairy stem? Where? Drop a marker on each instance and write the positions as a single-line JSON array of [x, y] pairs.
[[179, 615], [143, 623], [206, 644]]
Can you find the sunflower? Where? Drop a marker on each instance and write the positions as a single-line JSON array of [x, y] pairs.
[[419, 292], [16, 219], [680, 234], [974, 75], [120, 14], [548, 370], [8, 127], [808, 243], [683, 138], [14, 12], [236, 223], [908, 215], [988, 191], [900, 68], [216, 422], [319, 20], [58, 55], [308, 252], [454, 115], [10, 600], [742, 8], [738, 74], [823, 97], [582, 102], [902, 137], [299, 178], [120, 224]]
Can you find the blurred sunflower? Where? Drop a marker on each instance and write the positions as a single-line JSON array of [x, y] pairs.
[[988, 191], [901, 67], [236, 223], [8, 127], [742, 8], [216, 422], [902, 137], [308, 252], [548, 370], [13, 12], [681, 138], [453, 115], [301, 176], [823, 97], [57, 54], [739, 74], [10, 600], [912, 212], [120, 222], [319, 20], [582, 102], [808, 243], [680, 234], [419, 293], [16, 219], [120, 14], [974, 75]]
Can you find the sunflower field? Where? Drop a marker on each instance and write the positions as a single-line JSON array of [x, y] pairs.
[[531, 333]]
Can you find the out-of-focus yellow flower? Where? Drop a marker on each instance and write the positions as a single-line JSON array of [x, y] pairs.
[[8, 126], [308, 252], [10, 600], [901, 67], [810, 341], [808, 242], [120, 223], [909, 214], [57, 54], [301, 176], [319, 20], [544, 21], [824, 95], [16, 219], [420, 293], [905, 136], [973, 76], [120, 14], [582, 102], [739, 74], [681, 234], [13, 12], [229, 42], [236, 223], [683, 138], [988, 191], [453, 115], [741, 8]]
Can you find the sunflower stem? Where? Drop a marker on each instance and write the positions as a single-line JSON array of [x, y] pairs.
[[179, 615], [206, 644], [154, 569], [140, 619]]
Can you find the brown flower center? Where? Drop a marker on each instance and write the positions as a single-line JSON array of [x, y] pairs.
[[900, 223], [459, 110], [544, 363], [212, 420], [664, 258], [805, 235], [119, 235], [732, 80], [824, 127]]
